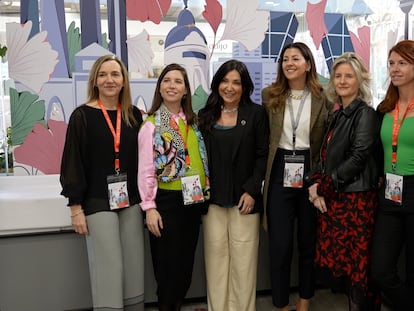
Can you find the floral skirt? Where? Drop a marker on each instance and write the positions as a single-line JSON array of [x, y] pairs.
[[344, 237]]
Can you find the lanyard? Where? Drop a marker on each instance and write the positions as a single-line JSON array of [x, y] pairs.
[[396, 125], [174, 123], [116, 134], [295, 121]]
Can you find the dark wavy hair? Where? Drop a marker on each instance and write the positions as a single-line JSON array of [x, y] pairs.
[[185, 100], [279, 90], [405, 49], [208, 116]]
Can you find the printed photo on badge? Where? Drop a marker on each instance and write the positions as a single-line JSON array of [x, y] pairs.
[[293, 175]]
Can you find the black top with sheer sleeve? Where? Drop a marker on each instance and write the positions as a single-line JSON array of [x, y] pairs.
[[88, 158]]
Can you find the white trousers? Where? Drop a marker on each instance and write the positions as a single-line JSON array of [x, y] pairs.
[[231, 242]]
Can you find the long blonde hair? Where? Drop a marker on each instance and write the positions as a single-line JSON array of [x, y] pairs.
[[124, 96], [361, 73]]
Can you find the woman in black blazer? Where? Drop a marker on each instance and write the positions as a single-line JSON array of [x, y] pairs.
[[236, 134]]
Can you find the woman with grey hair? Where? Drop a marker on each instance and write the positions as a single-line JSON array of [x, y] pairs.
[[344, 188]]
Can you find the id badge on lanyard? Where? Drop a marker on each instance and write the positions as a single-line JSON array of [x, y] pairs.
[[117, 183], [294, 164], [118, 191], [394, 187], [293, 172], [394, 182], [191, 187]]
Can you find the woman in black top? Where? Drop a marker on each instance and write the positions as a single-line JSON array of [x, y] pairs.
[[236, 134], [99, 178]]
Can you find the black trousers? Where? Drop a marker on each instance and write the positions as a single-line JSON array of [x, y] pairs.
[[394, 230], [284, 207], [173, 252]]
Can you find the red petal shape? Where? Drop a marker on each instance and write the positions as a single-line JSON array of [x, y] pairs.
[[43, 147], [213, 13], [362, 45], [147, 10], [316, 22]]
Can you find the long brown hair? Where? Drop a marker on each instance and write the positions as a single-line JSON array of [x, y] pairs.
[[185, 100], [405, 49], [125, 94], [279, 90]]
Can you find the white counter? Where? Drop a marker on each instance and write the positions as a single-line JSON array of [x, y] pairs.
[[32, 204]]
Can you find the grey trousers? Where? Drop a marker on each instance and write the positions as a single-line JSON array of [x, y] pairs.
[[116, 259]]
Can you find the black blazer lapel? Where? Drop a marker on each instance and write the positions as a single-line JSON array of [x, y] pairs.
[[242, 123]]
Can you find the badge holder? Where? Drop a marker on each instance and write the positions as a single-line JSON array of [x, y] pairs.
[[294, 170], [191, 187], [117, 191], [394, 187]]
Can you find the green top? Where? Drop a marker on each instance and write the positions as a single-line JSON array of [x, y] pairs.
[[405, 146], [195, 157]]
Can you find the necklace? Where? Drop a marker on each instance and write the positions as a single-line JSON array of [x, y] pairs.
[[296, 96], [225, 110]]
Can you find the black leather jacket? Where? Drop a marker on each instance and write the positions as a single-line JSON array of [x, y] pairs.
[[350, 156]]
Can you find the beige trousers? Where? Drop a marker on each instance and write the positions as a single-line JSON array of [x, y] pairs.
[[231, 242]]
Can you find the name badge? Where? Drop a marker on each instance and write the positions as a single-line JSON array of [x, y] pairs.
[[394, 187], [191, 187], [294, 170], [117, 191]]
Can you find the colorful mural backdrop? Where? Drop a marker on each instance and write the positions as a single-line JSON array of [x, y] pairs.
[[50, 64]]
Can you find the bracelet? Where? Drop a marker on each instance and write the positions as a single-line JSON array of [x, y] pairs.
[[78, 212]]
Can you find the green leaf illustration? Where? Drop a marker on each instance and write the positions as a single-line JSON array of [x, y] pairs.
[[3, 50], [25, 111], [199, 98], [74, 44]]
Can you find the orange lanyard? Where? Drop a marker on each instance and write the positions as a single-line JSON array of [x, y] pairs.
[[396, 126], [177, 128], [116, 134]]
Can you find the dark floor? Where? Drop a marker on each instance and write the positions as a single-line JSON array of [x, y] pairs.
[[324, 300]]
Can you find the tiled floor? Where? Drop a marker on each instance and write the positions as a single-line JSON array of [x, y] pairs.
[[324, 300]]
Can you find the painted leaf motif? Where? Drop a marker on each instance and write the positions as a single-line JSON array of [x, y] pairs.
[[245, 24], [316, 22], [43, 147], [199, 99], [213, 13], [361, 43], [147, 10], [31, 61], [74, 44], [25, 111], [140, 54]]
